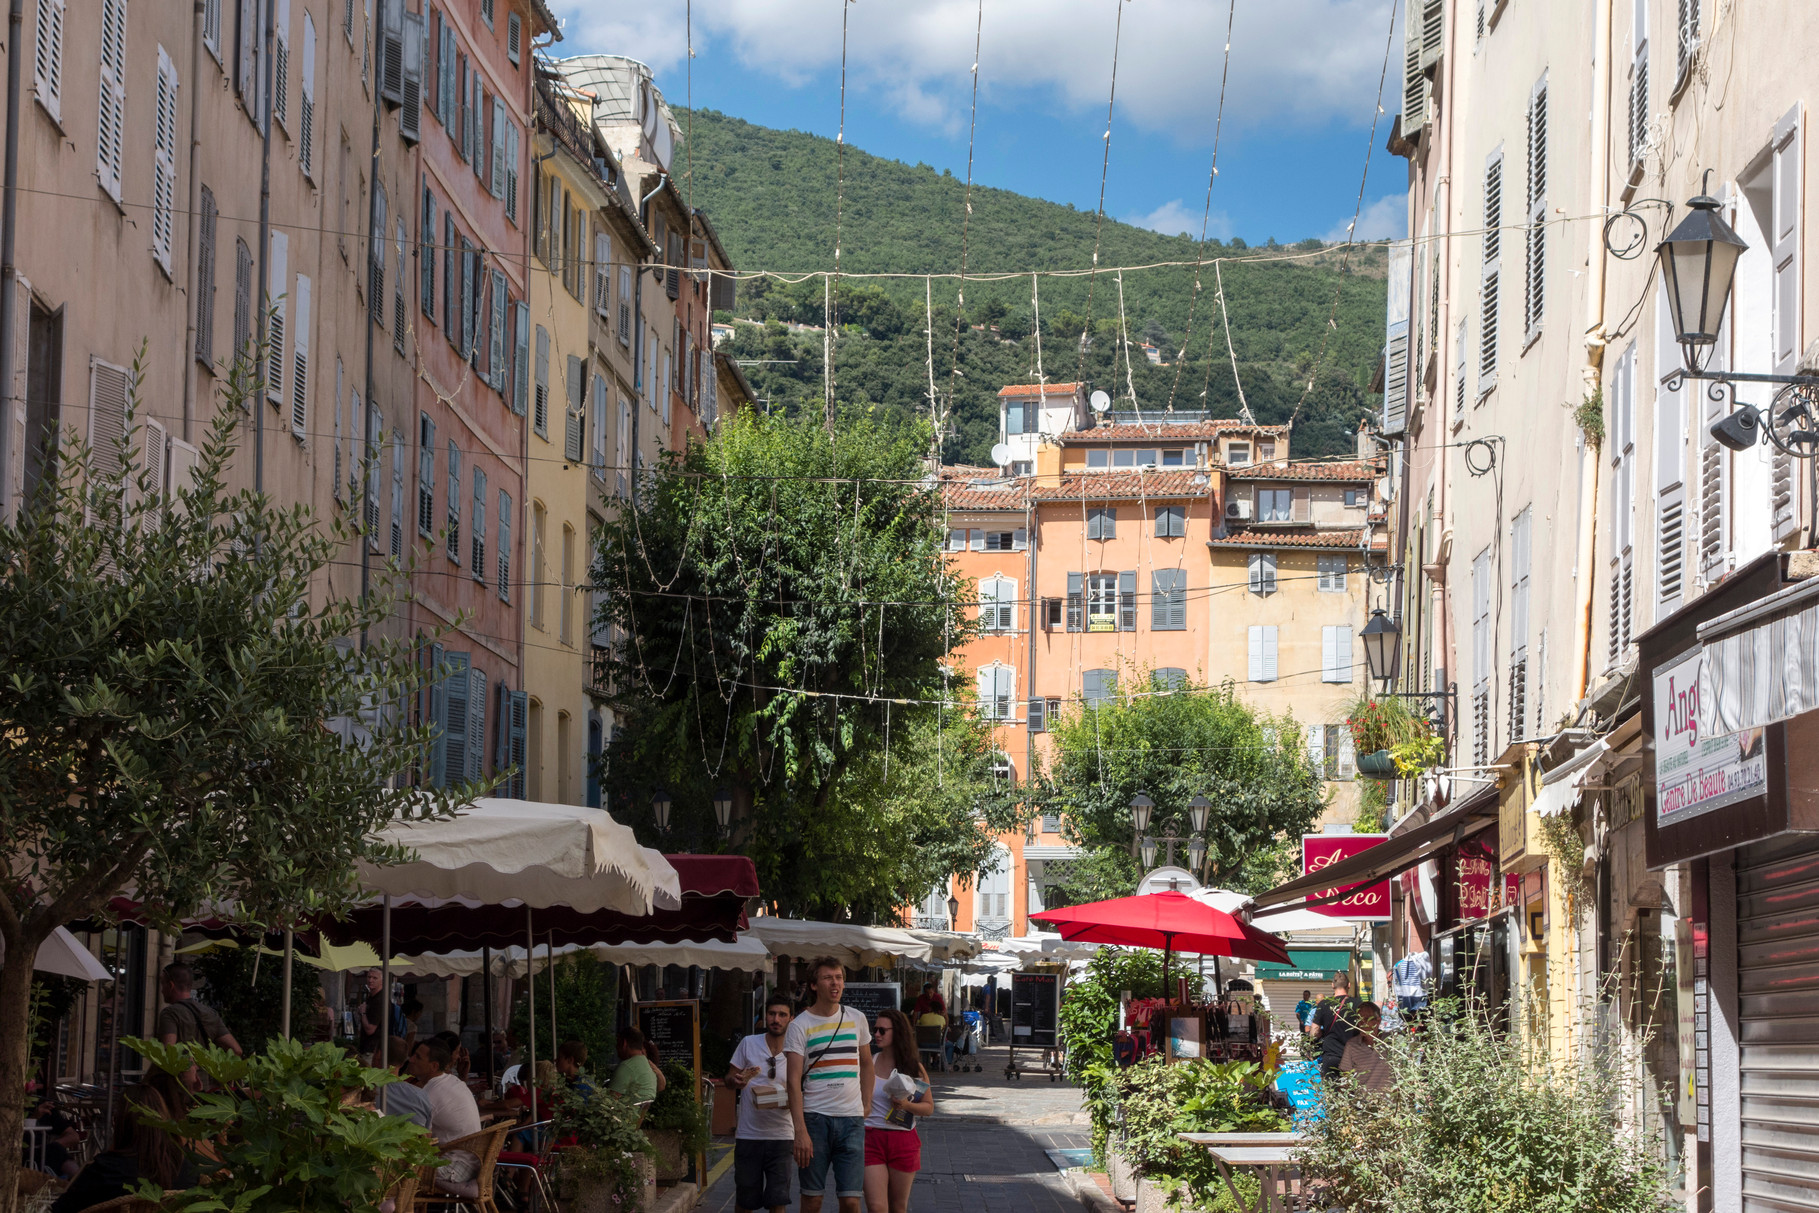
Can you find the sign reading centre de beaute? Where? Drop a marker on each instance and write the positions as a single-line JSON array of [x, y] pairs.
[[1366, 902], [1696, 773]]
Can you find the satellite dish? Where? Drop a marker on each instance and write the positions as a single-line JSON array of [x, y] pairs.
[[1001, 454], [1101, 402]]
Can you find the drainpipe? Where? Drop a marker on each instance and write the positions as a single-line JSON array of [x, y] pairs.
[[268, 38], [638, 343], [1597, 190], [370, 453], [194, 307], [9, 269]]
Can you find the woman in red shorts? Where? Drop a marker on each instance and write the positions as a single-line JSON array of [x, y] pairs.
[[900, 1093]]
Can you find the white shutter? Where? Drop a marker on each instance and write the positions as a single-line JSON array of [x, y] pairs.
[[1256, 572], [300, 362], [1335, 653], [1688, 41], [1255, 638], [391, 50], [1269, 652], [976, 540], [47, 57], [1714, 477], [306, 120], [1396, 344], [1638, 98], [281, 62], [246, 34], [1491, 274], [1670, 469], [274, 284], [1316, 749], [1785, 238], [410, 85], [110, 120], [164, 162], [1460, 376], [1535, 259], [496, 364], [1262, 638]]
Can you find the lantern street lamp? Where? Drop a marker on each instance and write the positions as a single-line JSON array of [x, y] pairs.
[[723, 809], [1698, 263], [1198, 810], [953, 912], [1382, 641], [1147, 848], [1196, 853], [1141, 807], [660, 803]]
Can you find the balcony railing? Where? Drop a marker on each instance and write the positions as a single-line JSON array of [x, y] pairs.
[[599, 677], [558, 117]]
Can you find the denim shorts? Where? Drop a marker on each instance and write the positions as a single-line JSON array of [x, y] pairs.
[[839, 1143], [761, 1173]]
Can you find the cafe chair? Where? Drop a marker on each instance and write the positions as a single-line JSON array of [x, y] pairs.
[[521, 1162], [477, 1193], [930, 1043]]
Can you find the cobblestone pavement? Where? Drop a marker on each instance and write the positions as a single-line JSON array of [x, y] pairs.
[[983, 1150]]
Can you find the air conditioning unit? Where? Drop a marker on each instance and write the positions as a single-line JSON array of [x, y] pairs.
[[1238, 510]]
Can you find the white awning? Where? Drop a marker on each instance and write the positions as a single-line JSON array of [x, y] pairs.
[[1560, 787], [63, 954], [744, 954], [949, 945], [853, 945]]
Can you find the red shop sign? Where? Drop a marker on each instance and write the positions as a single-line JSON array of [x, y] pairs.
[[1365, 902], [1477, 871]]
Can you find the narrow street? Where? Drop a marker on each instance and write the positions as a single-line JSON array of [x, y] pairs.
[[986, 1149]]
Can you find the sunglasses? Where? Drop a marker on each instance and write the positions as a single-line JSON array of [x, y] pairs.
[[883, 1029]]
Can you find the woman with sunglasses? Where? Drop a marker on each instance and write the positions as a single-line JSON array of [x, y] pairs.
[[893, 1147]]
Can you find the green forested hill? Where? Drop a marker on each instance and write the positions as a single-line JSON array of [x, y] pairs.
[[771, 197]]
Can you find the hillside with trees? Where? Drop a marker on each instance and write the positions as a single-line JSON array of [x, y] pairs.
[[771, 195]]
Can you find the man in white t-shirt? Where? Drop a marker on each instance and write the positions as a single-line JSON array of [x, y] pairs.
[[766, 1137], [830, 1089], [453, 1114]]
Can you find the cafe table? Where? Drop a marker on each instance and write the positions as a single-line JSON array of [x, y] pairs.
[[1269, 1155]]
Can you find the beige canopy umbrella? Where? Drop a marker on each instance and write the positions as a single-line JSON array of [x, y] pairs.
[[853, 945], [743, 955], [949, 945], [63, 954]]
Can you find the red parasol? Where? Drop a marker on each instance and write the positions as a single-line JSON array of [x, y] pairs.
[[1171, 921]]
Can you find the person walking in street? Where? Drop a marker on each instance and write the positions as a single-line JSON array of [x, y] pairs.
[[828, 1050], [1333, 1025], [765, 1138], [900, 1093], [1304, 1008], [187, 1019]]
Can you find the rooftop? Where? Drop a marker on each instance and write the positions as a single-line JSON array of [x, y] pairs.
[[1038, 389], [1349, 470], [1160, 431], [1352, 538], [1101, 485]]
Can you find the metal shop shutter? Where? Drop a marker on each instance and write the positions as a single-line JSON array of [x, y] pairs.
[[1778, 1004]]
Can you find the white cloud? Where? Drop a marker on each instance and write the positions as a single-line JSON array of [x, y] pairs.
[[1296, 61], [1384, 219], [1174, 218]]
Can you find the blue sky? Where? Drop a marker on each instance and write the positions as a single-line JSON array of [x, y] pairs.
[[1298, 106]]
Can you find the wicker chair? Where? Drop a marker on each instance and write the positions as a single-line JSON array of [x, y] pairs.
[[476, 1193]]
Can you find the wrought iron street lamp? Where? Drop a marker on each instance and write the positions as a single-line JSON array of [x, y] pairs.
[[723, 809], [1698, 262], [1198, 810], [1141, 808], [1382, 641], [660, 803], [1196, 853], [953, 912], [1147, 849]]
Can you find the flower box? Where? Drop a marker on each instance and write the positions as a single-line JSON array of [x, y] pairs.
[[1377, 765]]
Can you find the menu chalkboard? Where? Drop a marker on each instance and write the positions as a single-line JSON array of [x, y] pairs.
[[1035, 1007], [675, 1029], [870, 997]]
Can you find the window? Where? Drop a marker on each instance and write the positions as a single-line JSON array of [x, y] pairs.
[[1102, 602], [1076, 598], [596, 458], [1263, 573], [1171, 521], [110, 120], [1331, 572], [476, 564], [164, 162], [625, 305], [1175, 458], [426, 475], [1520, 538], [205, 283], [1266, 450], [1481, 656], [1005, 541], [1019, 418], [426, 256], [997, 692], [1535, 250], [1002, 767], [47, 56], [1357, 497], [1168, 600], [1490, 272], [1275, 505], [1622, 398], [1262, 652], [505, 546], [1098, 458], [452, 544], [1101, 523], [1051, 614], [1237, 454], [1098, 686], [1169, 678], [566, 587], [538, 524], [998, 604], [1335, 653]]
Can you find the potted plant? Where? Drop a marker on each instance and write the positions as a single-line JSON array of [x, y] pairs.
[[275, 1111], [677, 1123], [608, 1168], [1381, 728]]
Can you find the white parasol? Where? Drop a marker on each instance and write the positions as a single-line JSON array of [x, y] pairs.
[[853, 945]]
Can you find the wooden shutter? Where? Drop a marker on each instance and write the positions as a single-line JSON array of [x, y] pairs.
[[476, 564], [300, 361], [501, 314], [47, 57], [1687, 42], [164, 162], [109, 388], [475, 751], [452, 544], [1670, 468], [514, 36], [505, 546], [1535, 260], [572, 416], [540, 412], [396, 517], [281, 61], [1168, 605], [426, 474], [976, 539], [110, 121], [1490, 273], [426, 256], [438, 718], [276, 276], [511, 167], [370, 472], [391, 51], [1262, 639], [1521, 531], [410, 86], [246, 56], [456, 686], [497, 185], [205, 280], [1127, 601], [1414, 80], [306, 120], [1785, 240], [1019, 540], [1638, 95], [1076, 604], [446, 56], [521, 362]]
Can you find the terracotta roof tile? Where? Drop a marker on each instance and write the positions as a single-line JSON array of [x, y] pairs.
[[1349, 470], [1036, 389], [961, 495], [1101, 486], [1160, 431], [1295, 539]]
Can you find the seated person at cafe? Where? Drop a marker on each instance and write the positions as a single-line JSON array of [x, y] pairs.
[[929, 1000], [453, 1113], [405, 1098], [635, 1079], [461, 1064], [138, 1153], [571, 1064], [61, 1142], [1363, 1055]]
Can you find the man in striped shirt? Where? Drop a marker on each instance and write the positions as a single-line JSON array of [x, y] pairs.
[[828, 1050]]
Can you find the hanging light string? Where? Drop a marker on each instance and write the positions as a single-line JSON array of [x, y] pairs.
[[1206, 217], [828, 319], [966, 224], [1105, 166]]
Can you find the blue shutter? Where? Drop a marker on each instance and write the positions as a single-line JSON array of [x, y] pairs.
[[437, 710], [454, 724], [1076, 592], [476, 723], [1127, 601], [521, 707]]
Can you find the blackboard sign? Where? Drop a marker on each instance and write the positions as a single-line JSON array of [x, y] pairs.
[[1035, 1006], [870, 997], [675, 1029]]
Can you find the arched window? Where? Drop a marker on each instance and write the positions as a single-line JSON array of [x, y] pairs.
[[998, 604]]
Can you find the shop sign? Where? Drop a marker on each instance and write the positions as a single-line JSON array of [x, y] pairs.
[[1477, 871], [1697, 772], [1365, 902]]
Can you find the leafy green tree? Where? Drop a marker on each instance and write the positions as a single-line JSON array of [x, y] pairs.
[[1195, 740], [776, 592], [587, 999], [177, 687]]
